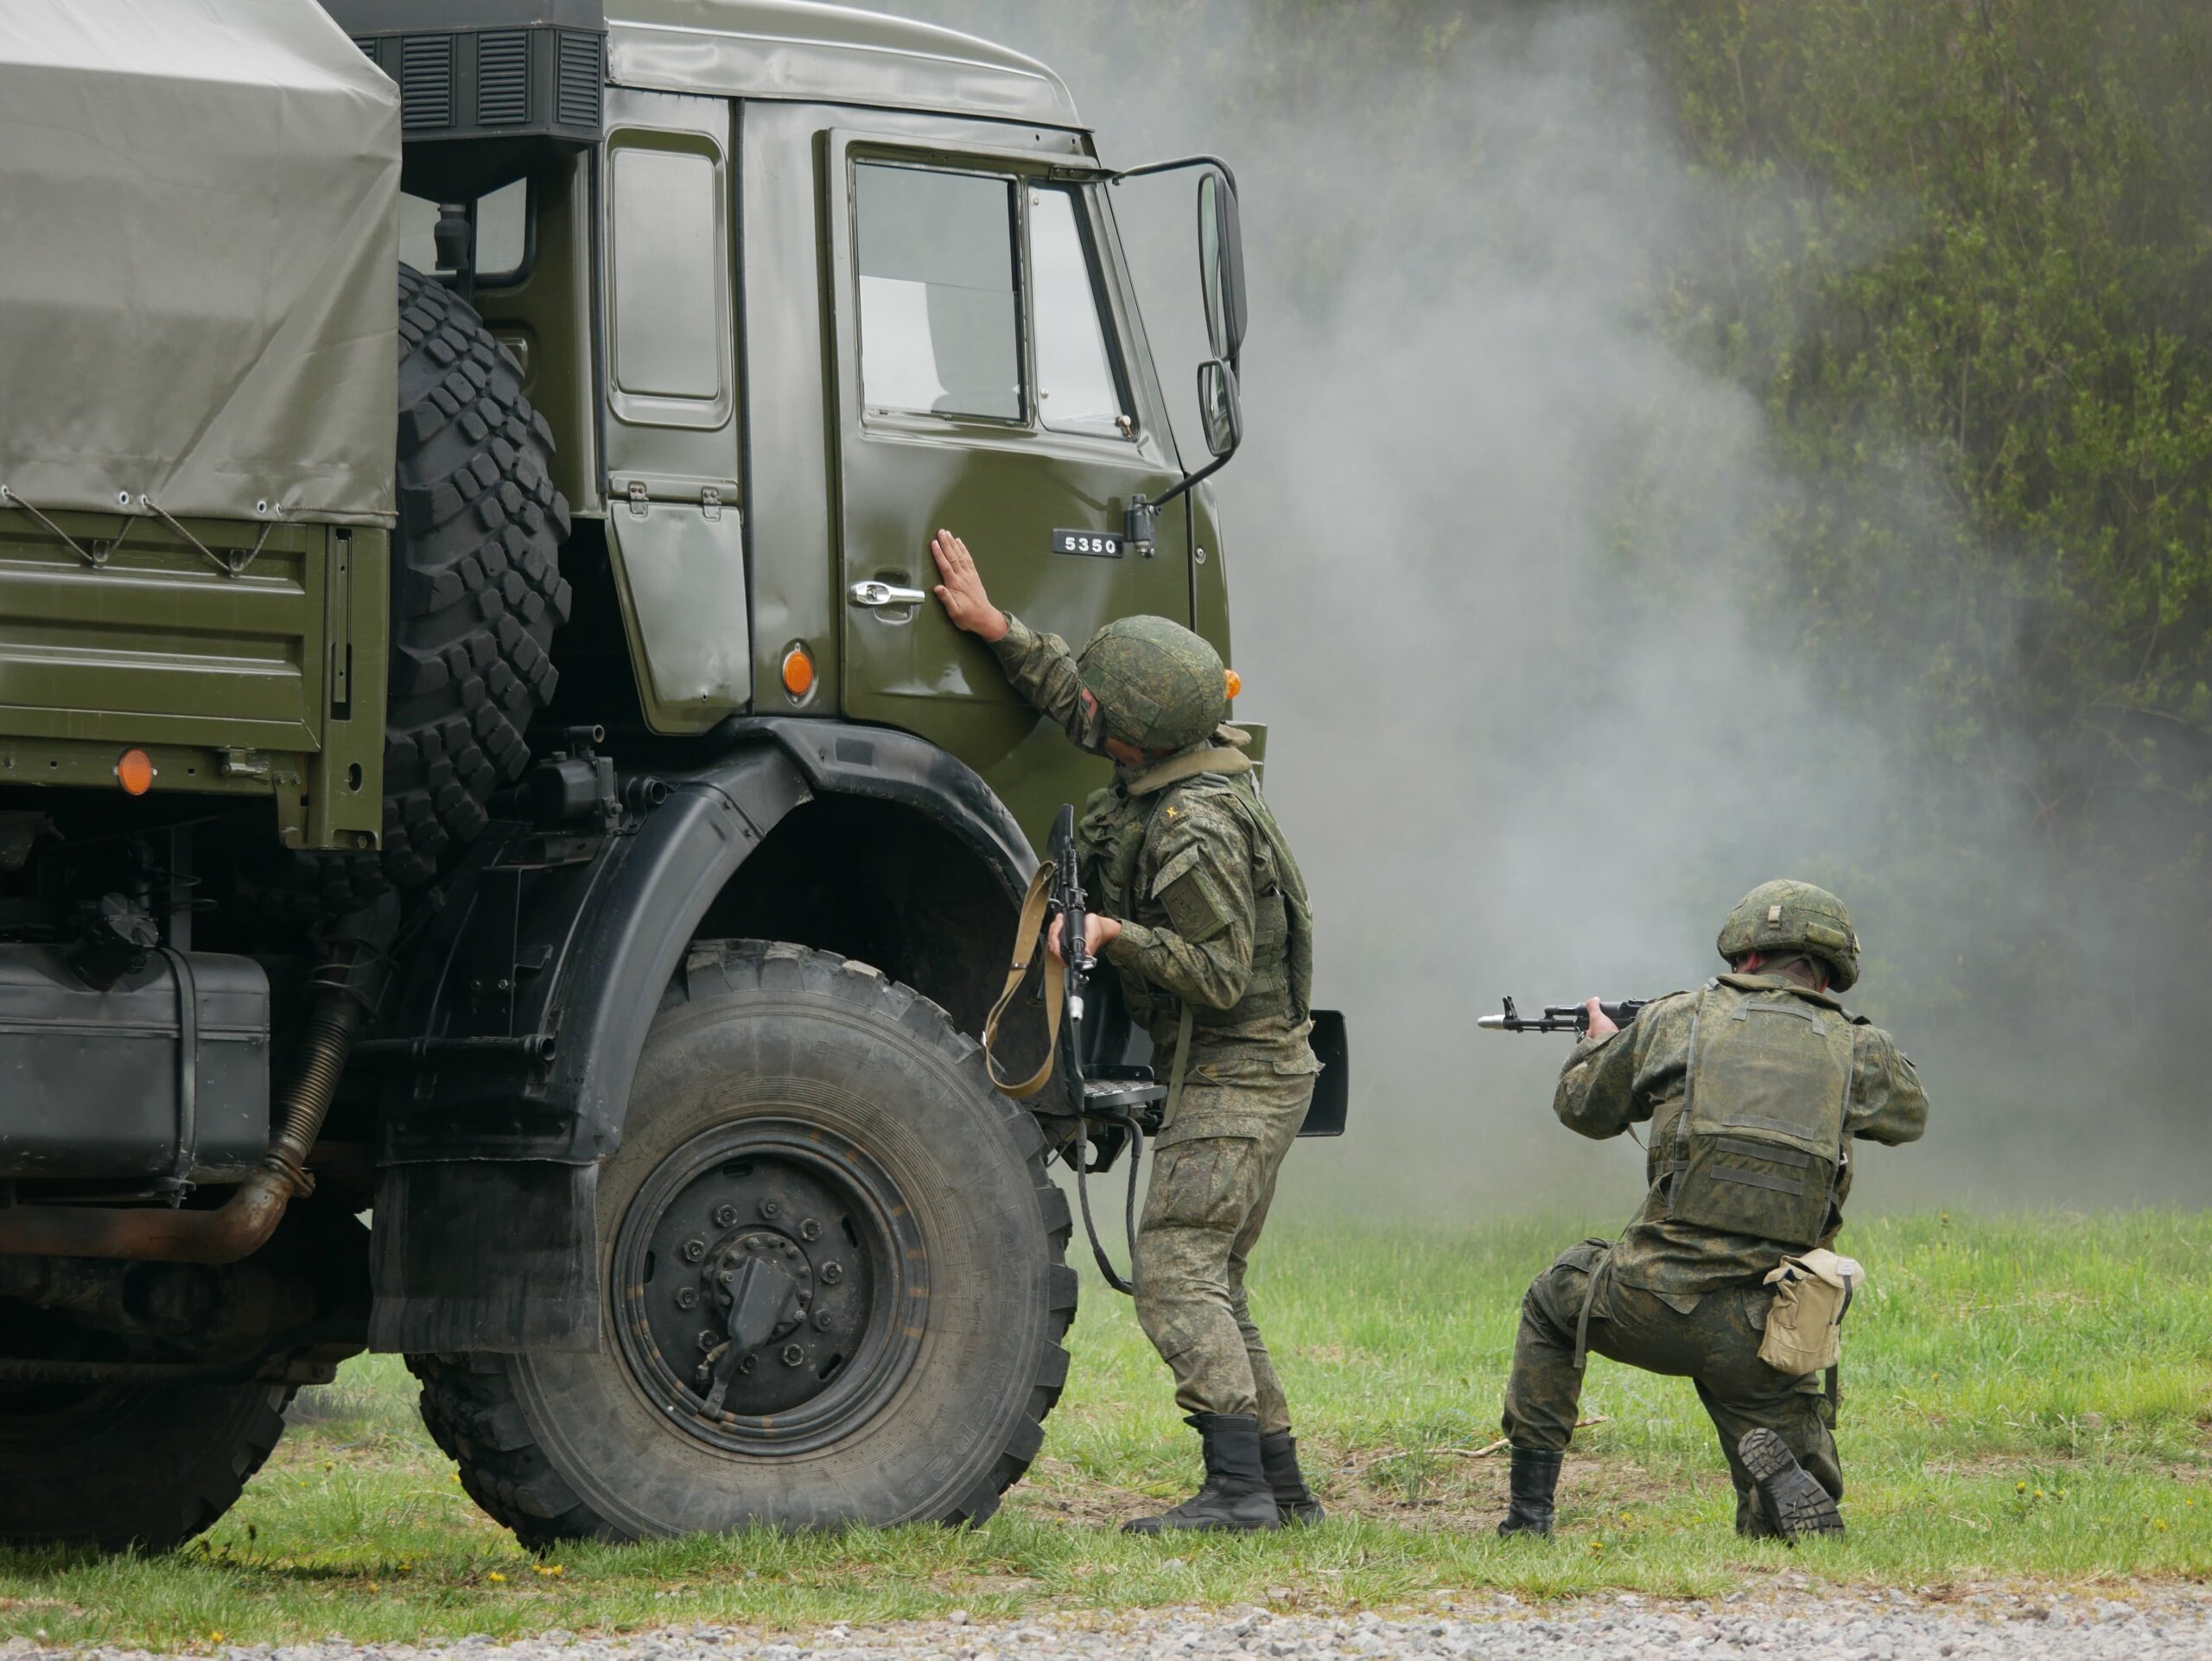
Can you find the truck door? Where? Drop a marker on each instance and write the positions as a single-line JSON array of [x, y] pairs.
[[988, 378], [675, 532]]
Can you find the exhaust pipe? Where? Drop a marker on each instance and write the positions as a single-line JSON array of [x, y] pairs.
[[349, 984]]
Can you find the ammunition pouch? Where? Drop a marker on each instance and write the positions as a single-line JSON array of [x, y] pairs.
[[1804, 1326]]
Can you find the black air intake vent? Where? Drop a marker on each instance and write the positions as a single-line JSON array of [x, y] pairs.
[[490, 90], [503, 79], [581, 73], [426, 82]]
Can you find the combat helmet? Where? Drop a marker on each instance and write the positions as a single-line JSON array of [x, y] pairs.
[[1787, 916], [1158, 686]]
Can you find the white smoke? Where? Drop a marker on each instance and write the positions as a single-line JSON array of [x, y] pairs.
[[1505, 591]]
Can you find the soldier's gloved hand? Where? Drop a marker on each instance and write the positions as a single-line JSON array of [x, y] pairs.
[[1097, 933], [961, 593], [1600, 1022]]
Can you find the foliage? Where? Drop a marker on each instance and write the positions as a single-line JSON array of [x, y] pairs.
[[1983, 330], [2026, 1399]]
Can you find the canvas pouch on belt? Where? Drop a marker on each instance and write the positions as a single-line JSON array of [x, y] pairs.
[[1804, 1328]]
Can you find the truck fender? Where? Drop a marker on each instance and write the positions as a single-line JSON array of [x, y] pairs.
[[613, 978], [534, 998]]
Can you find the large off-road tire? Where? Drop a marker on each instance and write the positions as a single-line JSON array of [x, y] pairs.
[[476, 593], [476, 584], [110, 1466], [805, 1126]]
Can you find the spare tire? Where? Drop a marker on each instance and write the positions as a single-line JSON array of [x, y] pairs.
[[476, 593], [476, 585]]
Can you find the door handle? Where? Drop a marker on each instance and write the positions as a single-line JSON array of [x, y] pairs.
[[873, 596]]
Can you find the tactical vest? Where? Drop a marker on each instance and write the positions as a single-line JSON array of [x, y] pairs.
[[1281, 984], [1758, 1146]]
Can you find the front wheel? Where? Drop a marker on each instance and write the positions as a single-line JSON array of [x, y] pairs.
[[834, 1271]]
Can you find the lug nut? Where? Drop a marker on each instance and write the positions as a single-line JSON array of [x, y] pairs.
[[793, 1355], [707, 1340], [728, 1276], [687, 1297], [809, 1229], [822, 1320], [805, 1297], [694, 1250], [833, 1272], [772, 1207], [725, 1215], [748, 1363]]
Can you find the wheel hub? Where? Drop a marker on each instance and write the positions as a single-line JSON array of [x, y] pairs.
[[774, 1286]]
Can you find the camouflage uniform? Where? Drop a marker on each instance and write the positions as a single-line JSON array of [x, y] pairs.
[[1186, 855], [1683, 1298]]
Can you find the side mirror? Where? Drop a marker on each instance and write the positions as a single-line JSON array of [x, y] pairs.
[[1219, 408], [1221, 268]]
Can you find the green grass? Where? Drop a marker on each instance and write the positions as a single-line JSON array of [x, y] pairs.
[[2026, 1398]]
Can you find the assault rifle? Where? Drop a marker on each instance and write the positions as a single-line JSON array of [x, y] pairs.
[[1122, 1101], [1100, 1093], [1560, 1017]]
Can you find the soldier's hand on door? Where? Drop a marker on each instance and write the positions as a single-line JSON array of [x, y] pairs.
[[961, 593]]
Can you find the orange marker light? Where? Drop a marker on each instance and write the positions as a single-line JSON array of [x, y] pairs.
[[798, 673], [135, 773], [1235, 682]]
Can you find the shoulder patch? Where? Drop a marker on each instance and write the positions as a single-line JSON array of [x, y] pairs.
[[1191, 907], [1177, 867]]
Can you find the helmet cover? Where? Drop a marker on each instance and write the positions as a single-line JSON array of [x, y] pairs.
[[1158, 685], [1785, 916]]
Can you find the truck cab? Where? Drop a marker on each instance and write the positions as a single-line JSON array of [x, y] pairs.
[[829, 281]]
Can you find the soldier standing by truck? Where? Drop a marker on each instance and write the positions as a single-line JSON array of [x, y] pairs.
[[1203, 912], [1755, 1087]]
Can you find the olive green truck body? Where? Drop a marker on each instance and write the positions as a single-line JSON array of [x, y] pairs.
[[721, 364], [472, 721]]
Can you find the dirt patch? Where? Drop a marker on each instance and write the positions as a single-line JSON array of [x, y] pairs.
[[1444, 1488]]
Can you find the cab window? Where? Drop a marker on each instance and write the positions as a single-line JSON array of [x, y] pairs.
[[667, 270], [940, 321], [1077, 390]]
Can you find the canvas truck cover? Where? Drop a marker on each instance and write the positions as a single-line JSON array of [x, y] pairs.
[[199, 212]]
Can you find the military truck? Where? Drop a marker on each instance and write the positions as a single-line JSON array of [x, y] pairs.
[[478, 753]]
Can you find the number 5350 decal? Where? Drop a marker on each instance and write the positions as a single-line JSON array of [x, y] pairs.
[[1099, 544]]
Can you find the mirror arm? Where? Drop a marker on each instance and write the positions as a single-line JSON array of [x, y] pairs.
[[1176, 166], [1142, 517], [1198, 478]]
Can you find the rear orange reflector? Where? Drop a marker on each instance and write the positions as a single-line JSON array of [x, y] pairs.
[[1235, 682], [798, 673], [134, 772]]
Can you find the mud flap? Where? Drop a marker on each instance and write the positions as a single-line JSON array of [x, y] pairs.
[[474, 1255]]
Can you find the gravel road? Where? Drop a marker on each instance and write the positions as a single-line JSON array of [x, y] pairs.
[[1874, 1626]]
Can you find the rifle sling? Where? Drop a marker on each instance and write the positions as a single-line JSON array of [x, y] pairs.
[[1028, 940], [1175, 1071]]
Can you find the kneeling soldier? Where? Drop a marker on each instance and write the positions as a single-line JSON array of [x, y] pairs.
[[1200, 907], [1755, 1087]]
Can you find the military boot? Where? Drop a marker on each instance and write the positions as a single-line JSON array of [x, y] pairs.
[[1293, 1500], [1535, 1480], [1795, 1504], [1235, 1497]]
